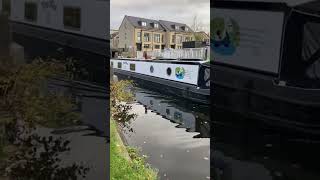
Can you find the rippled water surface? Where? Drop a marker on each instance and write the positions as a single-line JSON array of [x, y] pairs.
[[173, 133]]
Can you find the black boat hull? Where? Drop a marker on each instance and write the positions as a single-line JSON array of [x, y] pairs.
[[165, 86], [260, 97]]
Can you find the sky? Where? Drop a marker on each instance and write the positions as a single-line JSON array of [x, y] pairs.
[[182, 11]]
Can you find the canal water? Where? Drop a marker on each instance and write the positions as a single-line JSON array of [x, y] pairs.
[[251, 149], [173, 133]]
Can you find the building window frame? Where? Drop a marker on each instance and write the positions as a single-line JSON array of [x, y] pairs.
[[178, 39], [173, 38], [146, 37], [146, 46], [143, 23], [139, 36], [157, 38]]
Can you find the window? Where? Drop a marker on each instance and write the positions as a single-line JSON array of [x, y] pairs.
[[187, 29], [146, 37], [119, 65], [6, 6], [173, 39], [146, 46], [156, 25], [179, 39], [162, 38], [157, 46], [151, 69], [311, 49], [187, 39], [72, 17], [132, 67], [139, 36], [177, 27], [111, 64], [157, 38], [30, 11], [143, 23]]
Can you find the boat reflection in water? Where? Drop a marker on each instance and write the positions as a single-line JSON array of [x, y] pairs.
[[173, 133], [251, 149], [191, 119]]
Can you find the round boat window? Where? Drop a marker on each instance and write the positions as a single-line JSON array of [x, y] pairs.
[[169, 71], [151, 69]]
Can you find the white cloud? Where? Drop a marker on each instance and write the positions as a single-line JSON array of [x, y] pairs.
[[172, 10]]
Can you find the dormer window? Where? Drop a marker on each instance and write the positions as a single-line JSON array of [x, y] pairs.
[[156, 25], [143, 23], [177, 27], [186, 29]]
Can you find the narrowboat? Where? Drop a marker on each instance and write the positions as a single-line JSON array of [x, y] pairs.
[[188, 78], [266, 60], [79, 24]]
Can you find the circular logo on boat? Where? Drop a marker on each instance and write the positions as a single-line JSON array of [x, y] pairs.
[[180, 72], [225, 35]]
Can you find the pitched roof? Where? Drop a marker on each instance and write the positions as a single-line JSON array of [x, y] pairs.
[[163, 25], [136, 22], [170, 26], [114, 34], [203, 34]]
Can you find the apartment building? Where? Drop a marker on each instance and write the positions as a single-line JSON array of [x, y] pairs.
[[141, 34]]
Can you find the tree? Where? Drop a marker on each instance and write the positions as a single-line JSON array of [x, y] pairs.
[[196, 24]]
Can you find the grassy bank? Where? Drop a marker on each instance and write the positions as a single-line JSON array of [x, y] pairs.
[[122, 167]]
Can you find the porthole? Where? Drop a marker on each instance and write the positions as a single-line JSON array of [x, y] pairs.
[[119, 65], [151, 69], [169, 71]]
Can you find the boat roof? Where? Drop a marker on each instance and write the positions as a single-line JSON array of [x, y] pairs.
[[187, 61]]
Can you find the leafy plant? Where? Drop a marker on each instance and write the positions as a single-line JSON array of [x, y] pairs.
[[38, 158], [119, 96]]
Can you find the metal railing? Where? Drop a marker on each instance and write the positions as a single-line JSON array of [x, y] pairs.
[[186, 53]]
